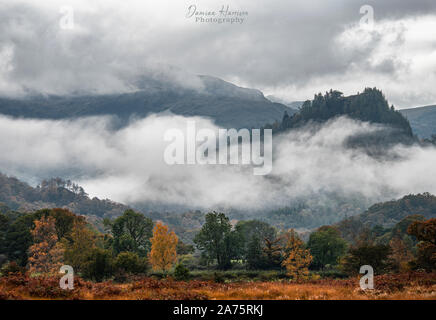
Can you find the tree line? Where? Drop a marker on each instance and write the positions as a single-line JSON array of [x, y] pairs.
[[133, 244]]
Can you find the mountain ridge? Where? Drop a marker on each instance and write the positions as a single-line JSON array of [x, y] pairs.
[[228, 105], [422, 120]]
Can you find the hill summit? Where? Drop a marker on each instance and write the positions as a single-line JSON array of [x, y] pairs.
[[370, 106]]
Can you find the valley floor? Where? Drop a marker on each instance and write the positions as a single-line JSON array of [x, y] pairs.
[[397, 286]]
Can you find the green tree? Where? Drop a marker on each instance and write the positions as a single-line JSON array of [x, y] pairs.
[[273, 253], [375, 255], [181, 272], [425, 232], [326, 246], [99, 265], [130, 262], [80, 246], [183, 248], [218, 241], [131, 232], [65, 221], [252, 234], [255, 257], [4, 226], [18, 238]]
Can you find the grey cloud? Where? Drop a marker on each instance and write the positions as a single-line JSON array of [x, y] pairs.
[[286, 43], [127, 165]]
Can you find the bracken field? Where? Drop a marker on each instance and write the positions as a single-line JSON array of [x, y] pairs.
[[416, 285]]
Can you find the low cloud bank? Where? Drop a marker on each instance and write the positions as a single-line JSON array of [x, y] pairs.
[[127, 165]]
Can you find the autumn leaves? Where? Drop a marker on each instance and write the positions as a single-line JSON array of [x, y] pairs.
[[163, 254]]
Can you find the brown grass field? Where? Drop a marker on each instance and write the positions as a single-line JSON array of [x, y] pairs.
[[393, 287]]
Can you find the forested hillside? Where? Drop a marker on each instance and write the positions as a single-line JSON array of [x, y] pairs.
[[370, 106], [315, 211], [229, 105], [387, 214], [54, 193]]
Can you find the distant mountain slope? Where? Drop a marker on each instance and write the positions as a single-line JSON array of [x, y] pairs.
[[18, 196], [422, 120], [54, 193], [387, 214], [293, 105], [229, 105]]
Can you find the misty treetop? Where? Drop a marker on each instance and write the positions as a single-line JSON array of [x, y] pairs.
[[370, 105]]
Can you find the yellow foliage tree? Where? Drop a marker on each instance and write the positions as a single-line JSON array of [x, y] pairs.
[[297, 257], [163, 253], [46, 254]]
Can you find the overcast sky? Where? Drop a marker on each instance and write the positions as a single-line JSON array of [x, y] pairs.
[[291, 49]]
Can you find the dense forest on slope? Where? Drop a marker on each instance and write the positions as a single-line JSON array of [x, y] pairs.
[[368, 106], [16, 195], [53, 193], [304, 214], [387, 214]]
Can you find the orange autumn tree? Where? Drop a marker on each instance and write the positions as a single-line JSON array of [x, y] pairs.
[[297, 257], [46, 254], [163, 253]]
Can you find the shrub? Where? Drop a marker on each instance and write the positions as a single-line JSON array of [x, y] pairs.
[[46, 287], [130, 262], [12, 268], [218, 277], [3, 259], [332, 273], [376, 256], [105, 289], [181, 272], [190, 261], [98, 265], [425, 232]]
